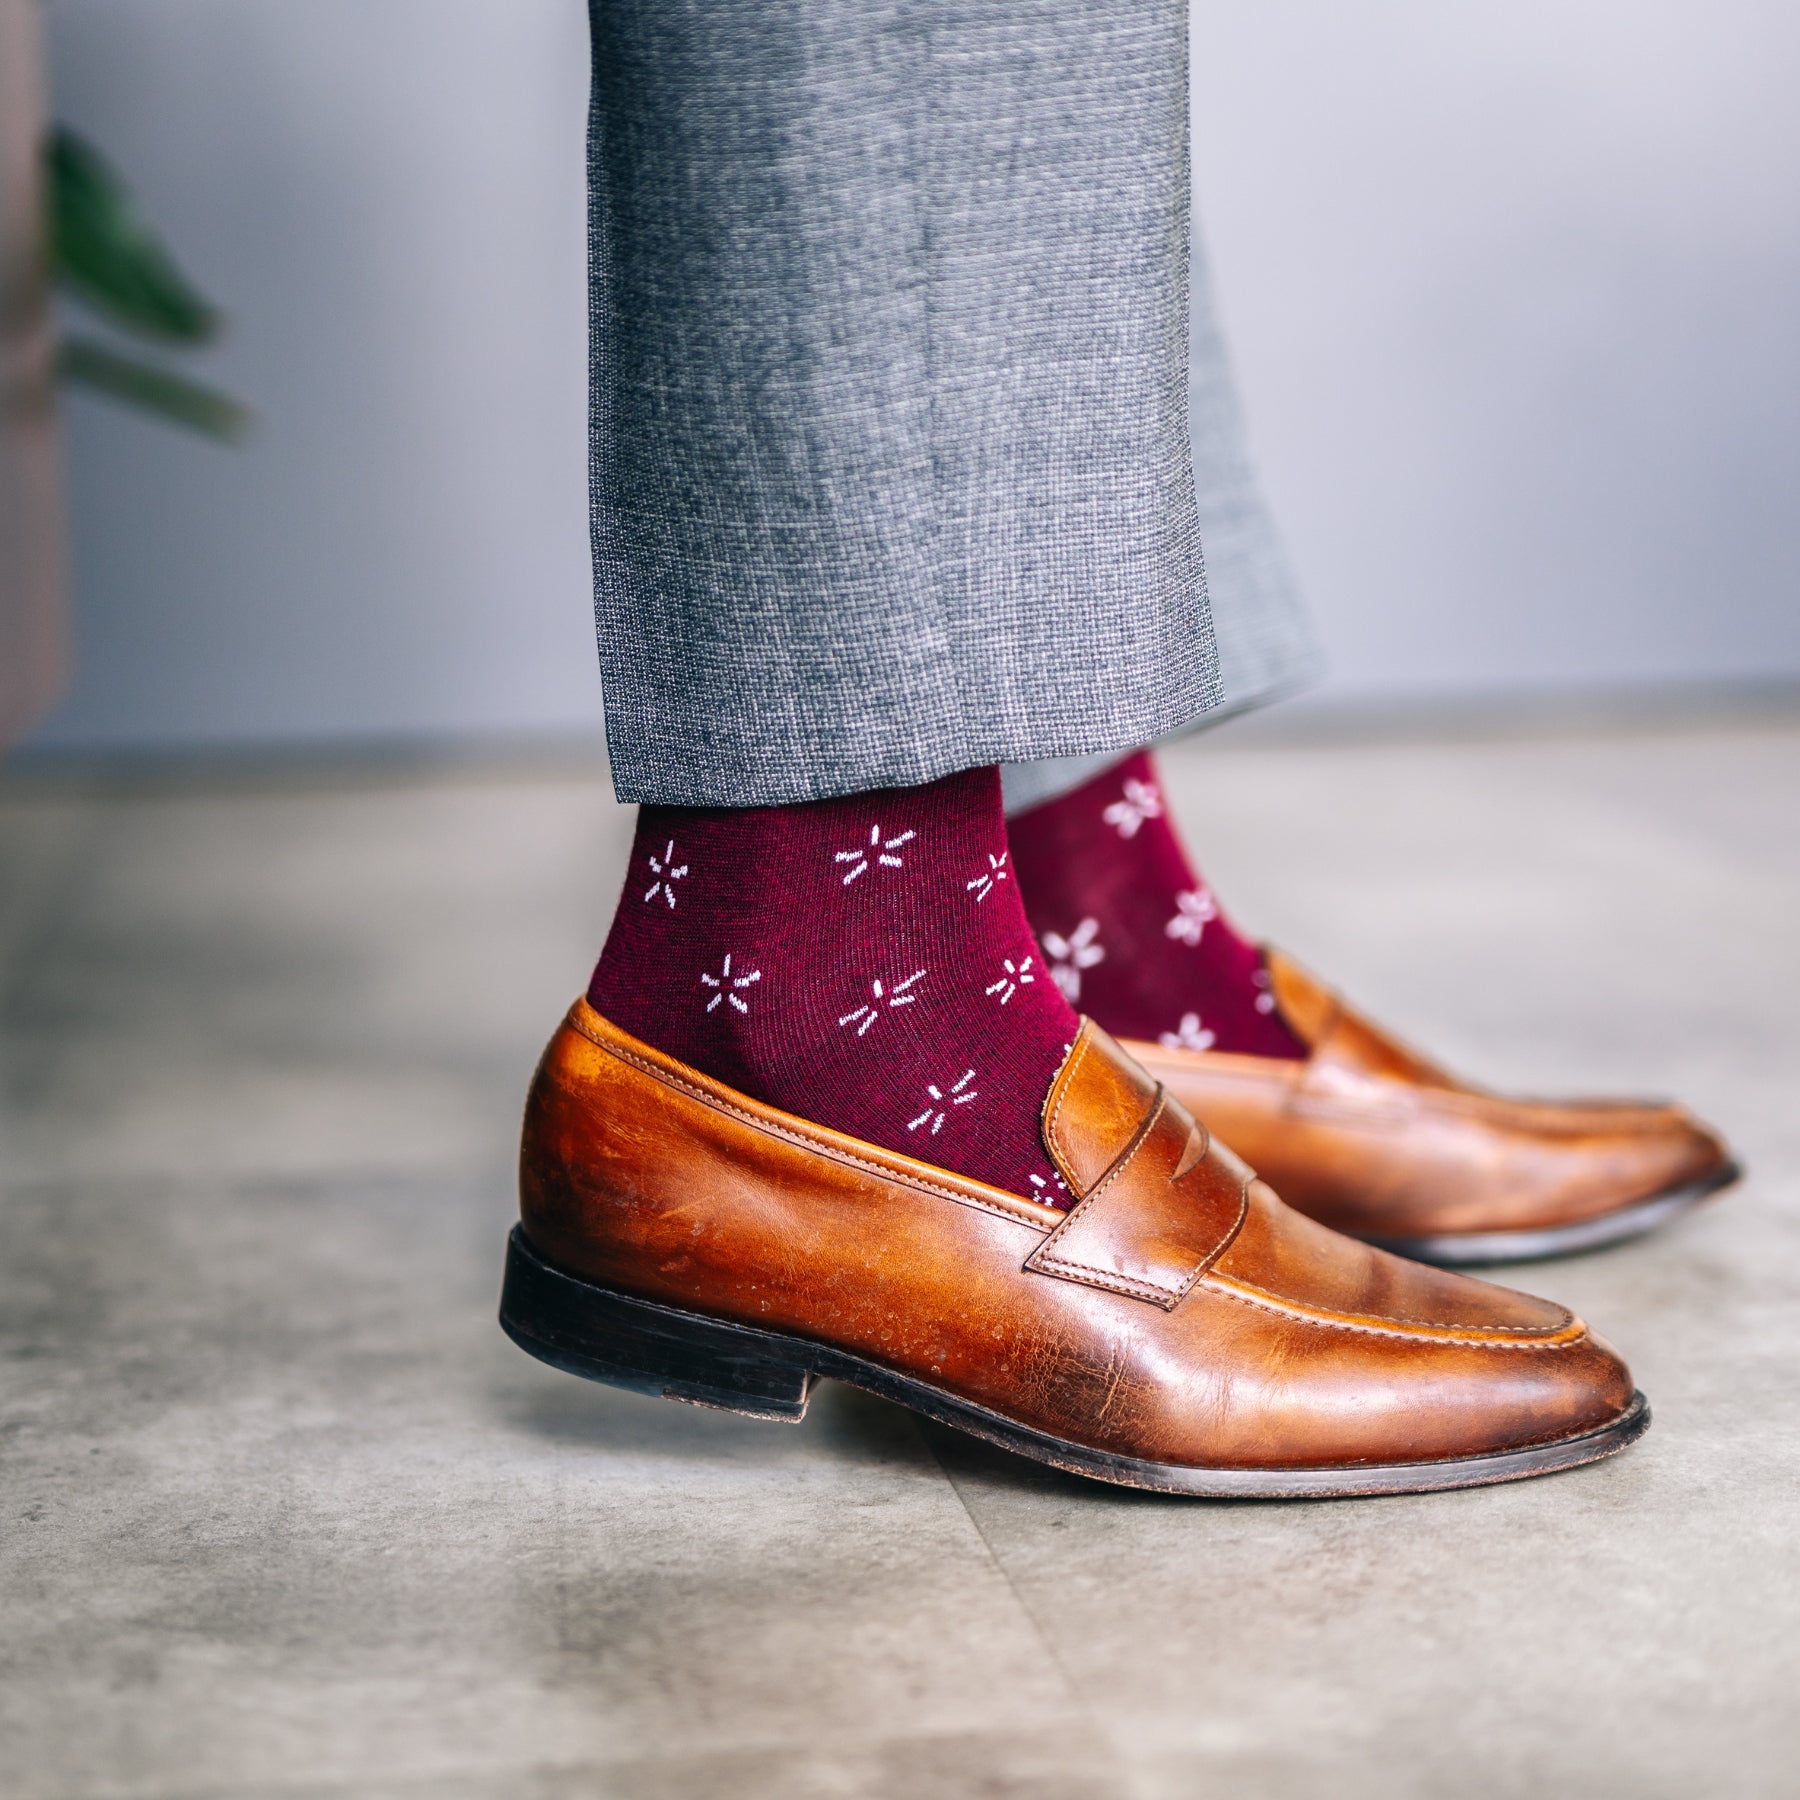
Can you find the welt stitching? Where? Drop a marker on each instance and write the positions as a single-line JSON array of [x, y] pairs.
[[1257, 1299], [793, 1137]]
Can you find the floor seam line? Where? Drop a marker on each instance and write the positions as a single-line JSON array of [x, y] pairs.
[[1024, 1605]]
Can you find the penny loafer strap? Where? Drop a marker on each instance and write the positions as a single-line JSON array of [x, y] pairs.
[[1158, 1219]]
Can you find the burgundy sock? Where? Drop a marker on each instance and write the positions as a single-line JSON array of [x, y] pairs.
[[1132, 933], [863, 962]]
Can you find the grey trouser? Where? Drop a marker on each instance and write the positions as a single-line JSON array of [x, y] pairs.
[[891, 456]]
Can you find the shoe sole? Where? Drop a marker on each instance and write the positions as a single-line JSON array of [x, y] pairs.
[[648, 1348], [1479, 1249]]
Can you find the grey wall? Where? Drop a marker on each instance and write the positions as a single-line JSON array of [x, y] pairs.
[[1515, 289], [1513, 283], [387, 195]]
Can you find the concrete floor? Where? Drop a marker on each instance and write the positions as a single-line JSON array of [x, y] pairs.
[[285, 1515]]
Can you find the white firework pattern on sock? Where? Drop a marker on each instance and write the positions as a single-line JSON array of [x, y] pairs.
[[883, 997], [1139, 801], [1265, 1000], [667, 874], [1013, 977], [878, 852], [959, 1093], [725, 986], [990, 877], [1193, 913], [1070, 955], [1045, 1192], [1190, 1034]]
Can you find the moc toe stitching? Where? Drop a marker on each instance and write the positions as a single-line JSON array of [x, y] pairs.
[[1522, 1337]]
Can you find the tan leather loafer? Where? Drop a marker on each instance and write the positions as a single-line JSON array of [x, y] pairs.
[[1179, 1329], [1370, 1138]]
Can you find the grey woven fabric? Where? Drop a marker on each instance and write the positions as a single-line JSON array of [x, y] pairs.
[[1266, 642], [891, 467]]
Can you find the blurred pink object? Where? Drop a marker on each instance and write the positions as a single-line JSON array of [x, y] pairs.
[[33, 645]]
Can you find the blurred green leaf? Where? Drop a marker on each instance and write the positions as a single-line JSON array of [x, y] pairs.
[[101, 247], [169, 396]]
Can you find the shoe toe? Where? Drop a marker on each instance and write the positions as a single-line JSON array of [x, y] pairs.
[[1626, 1155]]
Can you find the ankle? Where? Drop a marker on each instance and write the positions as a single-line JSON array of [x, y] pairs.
[[1133, 934], [864, 962]]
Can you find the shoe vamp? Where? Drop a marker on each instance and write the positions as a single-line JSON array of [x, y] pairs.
[[1383, 1157]]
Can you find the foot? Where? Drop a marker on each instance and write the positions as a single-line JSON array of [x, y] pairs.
[[1373, 1139], [1180, 1329], [1131, 932], [1351, 1126], [864, 961]]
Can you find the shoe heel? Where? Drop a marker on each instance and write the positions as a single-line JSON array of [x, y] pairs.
[[590, 1330]]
